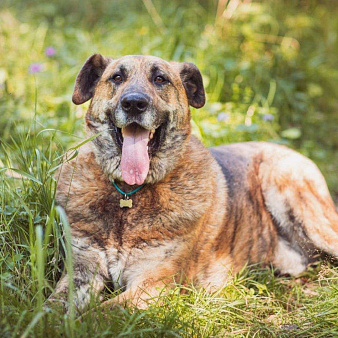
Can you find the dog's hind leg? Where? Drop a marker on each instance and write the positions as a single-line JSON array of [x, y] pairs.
[[298, 199]]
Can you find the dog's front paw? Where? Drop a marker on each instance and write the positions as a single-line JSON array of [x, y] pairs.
[[56, 303]]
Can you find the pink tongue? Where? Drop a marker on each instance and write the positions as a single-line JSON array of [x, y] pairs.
[[135, 158]]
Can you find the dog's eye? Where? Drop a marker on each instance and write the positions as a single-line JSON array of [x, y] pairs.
[[117, 78], [160, 79]]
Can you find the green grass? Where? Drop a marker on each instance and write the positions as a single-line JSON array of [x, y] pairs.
[[265, 59]]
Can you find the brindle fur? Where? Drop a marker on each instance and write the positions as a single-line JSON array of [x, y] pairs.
[[202, 215]]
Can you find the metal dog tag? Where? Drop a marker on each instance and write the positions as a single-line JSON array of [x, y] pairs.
[[126, 202]]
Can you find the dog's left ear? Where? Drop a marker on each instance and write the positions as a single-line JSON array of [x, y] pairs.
[[193, 83], [88, 77]]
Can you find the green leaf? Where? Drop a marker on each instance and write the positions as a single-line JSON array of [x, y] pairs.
[[29, 176]]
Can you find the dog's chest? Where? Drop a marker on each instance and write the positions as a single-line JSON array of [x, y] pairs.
[[142, 239], [157, 214]]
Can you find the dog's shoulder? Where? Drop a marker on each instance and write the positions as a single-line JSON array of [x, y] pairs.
[[197, 167]]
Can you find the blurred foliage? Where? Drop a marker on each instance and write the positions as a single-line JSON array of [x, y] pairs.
[[270, 67]]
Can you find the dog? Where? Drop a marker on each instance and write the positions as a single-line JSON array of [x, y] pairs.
[[150, 206]]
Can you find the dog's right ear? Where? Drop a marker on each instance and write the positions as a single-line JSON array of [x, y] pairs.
[[192, 82], [88, 77]]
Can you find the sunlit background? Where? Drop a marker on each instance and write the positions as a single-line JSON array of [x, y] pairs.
[[270, 72], [269, 67]]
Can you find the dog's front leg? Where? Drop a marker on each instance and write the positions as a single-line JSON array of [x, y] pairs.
[[140, 296], [90, 270]]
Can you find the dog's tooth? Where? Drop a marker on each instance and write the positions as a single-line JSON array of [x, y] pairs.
[[152, 132]]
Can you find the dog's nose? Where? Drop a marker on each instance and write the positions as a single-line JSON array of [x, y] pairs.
[[135, 102]]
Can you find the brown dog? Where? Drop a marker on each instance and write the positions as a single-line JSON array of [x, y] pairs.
[[201, 213]]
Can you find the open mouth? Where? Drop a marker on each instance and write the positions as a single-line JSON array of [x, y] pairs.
[[155, 137], [138, 145]]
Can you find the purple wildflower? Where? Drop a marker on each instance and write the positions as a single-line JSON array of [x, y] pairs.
[[35, 67], [268, 117], [50, 51], [223, 117]]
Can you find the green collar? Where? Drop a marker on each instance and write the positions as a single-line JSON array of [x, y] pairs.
[[127, 193]]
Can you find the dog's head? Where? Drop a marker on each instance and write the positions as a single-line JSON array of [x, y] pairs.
[[140, 107]]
